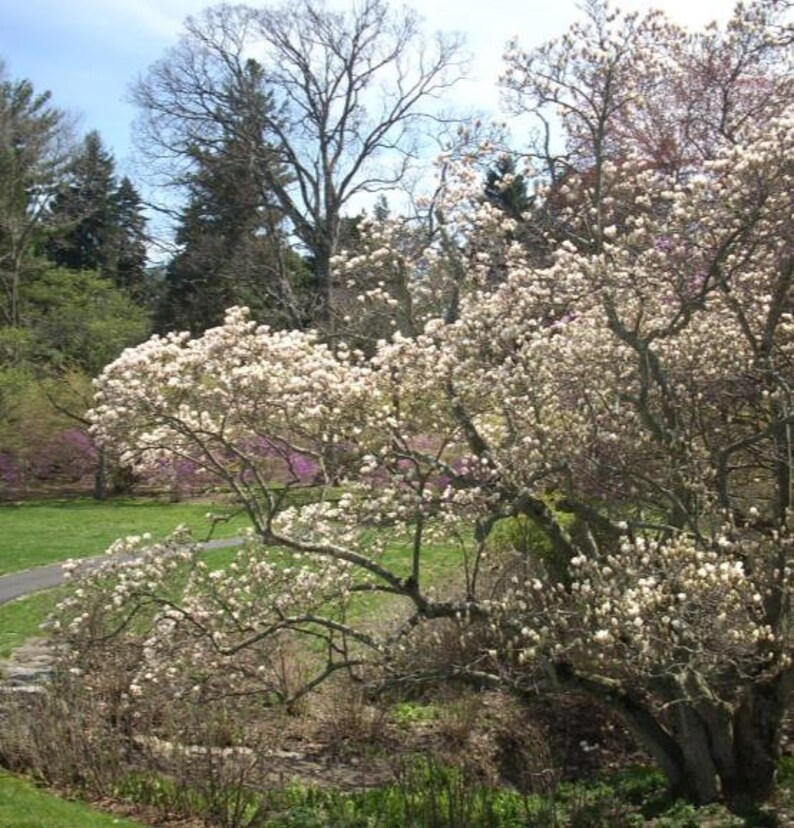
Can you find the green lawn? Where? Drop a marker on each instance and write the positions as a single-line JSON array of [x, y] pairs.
[[22, 805], [32, 534]]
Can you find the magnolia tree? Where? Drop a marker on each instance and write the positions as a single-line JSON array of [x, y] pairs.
[[618, 86], [635, 406], [631, 403]]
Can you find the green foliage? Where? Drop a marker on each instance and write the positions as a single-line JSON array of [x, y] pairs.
[[427, 795], [520, 534], [56, 321], [168, 796], [34, 151], [430, 795], [82, 210], [233, 243], [80, 319], [97, 220], [17, 348], [410, 712], [29, 420], [43, 439], [130, 239], [74, 323], [507, 189]]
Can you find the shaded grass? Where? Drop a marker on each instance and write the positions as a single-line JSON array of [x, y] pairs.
[[34, 534], [22, 805]]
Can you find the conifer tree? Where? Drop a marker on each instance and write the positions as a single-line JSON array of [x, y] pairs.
[[84, 208], [353, 101], [131, 238], [34, 150], [231, 236]]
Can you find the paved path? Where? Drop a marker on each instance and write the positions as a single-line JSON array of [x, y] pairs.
[[17, 584]]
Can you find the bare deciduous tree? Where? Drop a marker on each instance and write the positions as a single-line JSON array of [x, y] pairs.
[[347, 94]]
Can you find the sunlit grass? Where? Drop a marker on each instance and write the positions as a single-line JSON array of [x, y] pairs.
[[33, 534], [22, 619], [22, 805]]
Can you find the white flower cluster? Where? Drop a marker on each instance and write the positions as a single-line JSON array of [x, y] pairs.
[[651, 608], [644, 385]]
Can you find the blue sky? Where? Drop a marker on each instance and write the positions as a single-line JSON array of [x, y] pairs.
[[89, 52]]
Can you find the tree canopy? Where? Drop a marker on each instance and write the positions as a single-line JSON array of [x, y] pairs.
[[34, 152], [72, 276]]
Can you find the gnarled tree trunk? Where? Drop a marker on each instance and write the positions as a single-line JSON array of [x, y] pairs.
[[708, 750]]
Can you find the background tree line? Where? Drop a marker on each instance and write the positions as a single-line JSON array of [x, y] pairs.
[[73, 275], [267, 149]]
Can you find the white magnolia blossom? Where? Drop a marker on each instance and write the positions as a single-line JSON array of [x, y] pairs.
[[635, 378], [630, 400]]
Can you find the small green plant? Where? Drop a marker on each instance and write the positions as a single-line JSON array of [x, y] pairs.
[[409, 713]]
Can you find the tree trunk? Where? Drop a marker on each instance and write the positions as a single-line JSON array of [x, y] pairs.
[[722, 757], [756, 731], [322, 281], [707, 750], [698, 778], [100, 486]]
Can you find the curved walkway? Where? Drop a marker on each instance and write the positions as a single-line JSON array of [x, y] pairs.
[[17, 584]]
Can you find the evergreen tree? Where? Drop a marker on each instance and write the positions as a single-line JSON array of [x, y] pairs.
[[131, 238], [99, 221], [34, 150], [231, 238], [349, 91], [507, 189], [536, 219], [85, 212]]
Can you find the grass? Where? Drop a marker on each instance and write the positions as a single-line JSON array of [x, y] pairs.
[[21, 619], [34, 534], [22, 805]]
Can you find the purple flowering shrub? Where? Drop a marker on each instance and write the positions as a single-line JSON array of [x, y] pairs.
[[11, 474], [276, 460], [67, 457], [256, 456]]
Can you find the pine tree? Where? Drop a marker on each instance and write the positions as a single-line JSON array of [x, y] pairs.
[[233, 247], [131, 238], [350, 91], [34, 150], [507, 189], [84, 209]]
